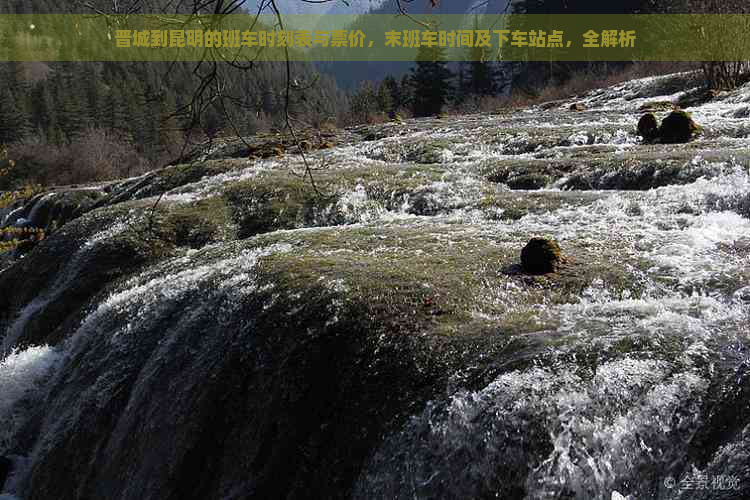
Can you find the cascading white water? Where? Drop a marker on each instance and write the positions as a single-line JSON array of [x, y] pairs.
[[613, 400]]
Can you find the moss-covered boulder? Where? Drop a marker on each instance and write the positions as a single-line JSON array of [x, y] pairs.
[[245, 333], [541, 256], [648, 127], [272, 150], [528, 181], [678, 127], [195, 225]]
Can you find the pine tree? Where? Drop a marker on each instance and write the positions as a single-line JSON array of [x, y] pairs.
[[364, 103], [92, 92], [114, 114], [406, 89], [70, 101], [385, 100], [431, 80], [14, 124], [481, 74], [390, 97], [461, 92]]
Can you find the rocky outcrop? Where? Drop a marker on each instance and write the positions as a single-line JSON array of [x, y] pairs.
[[223, 356], [677, 127]]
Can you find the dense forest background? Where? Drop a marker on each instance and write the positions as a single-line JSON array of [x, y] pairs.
[[73, 122]]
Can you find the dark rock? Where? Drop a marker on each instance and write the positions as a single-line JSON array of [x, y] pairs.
[[424, 203], [6, 466], [54, 210], [528, 181], [677, 127], [558, 103], [648, 127], [373, 136], [577, 106], [541, 256]]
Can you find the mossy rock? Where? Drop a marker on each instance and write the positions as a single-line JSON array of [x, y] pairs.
[[648, 127], [268, 203], [696, 97], [657, 106], [273, 150], [276, 200], [678, 127], [369, 135], [429, 152], [84, 258], [513, 205], [541, 256], [167, 179], [303, 347], [525, 173], [528, 181], [197, 224]]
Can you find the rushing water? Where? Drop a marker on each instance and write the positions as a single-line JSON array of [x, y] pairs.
[[620, 394]]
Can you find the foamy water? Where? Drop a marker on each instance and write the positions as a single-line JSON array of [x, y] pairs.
[[616, 389]]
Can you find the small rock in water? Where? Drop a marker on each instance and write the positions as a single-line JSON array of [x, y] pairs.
[[540, 256], [577, 106], [648, 127], [743, 294], [5, 469], [22, 222], [677, 127]]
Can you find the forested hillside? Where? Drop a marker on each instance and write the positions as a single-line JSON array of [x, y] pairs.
[[147, 104], [47, 110]]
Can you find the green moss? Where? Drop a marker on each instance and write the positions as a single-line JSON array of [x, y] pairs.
[[512, 205], [513, 213], [196, 224], [282, 200], [589, 356], [169, 178], [522, 173], [435, 277], [268, 203], [56, 210], [657, 106], [428, 152]]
